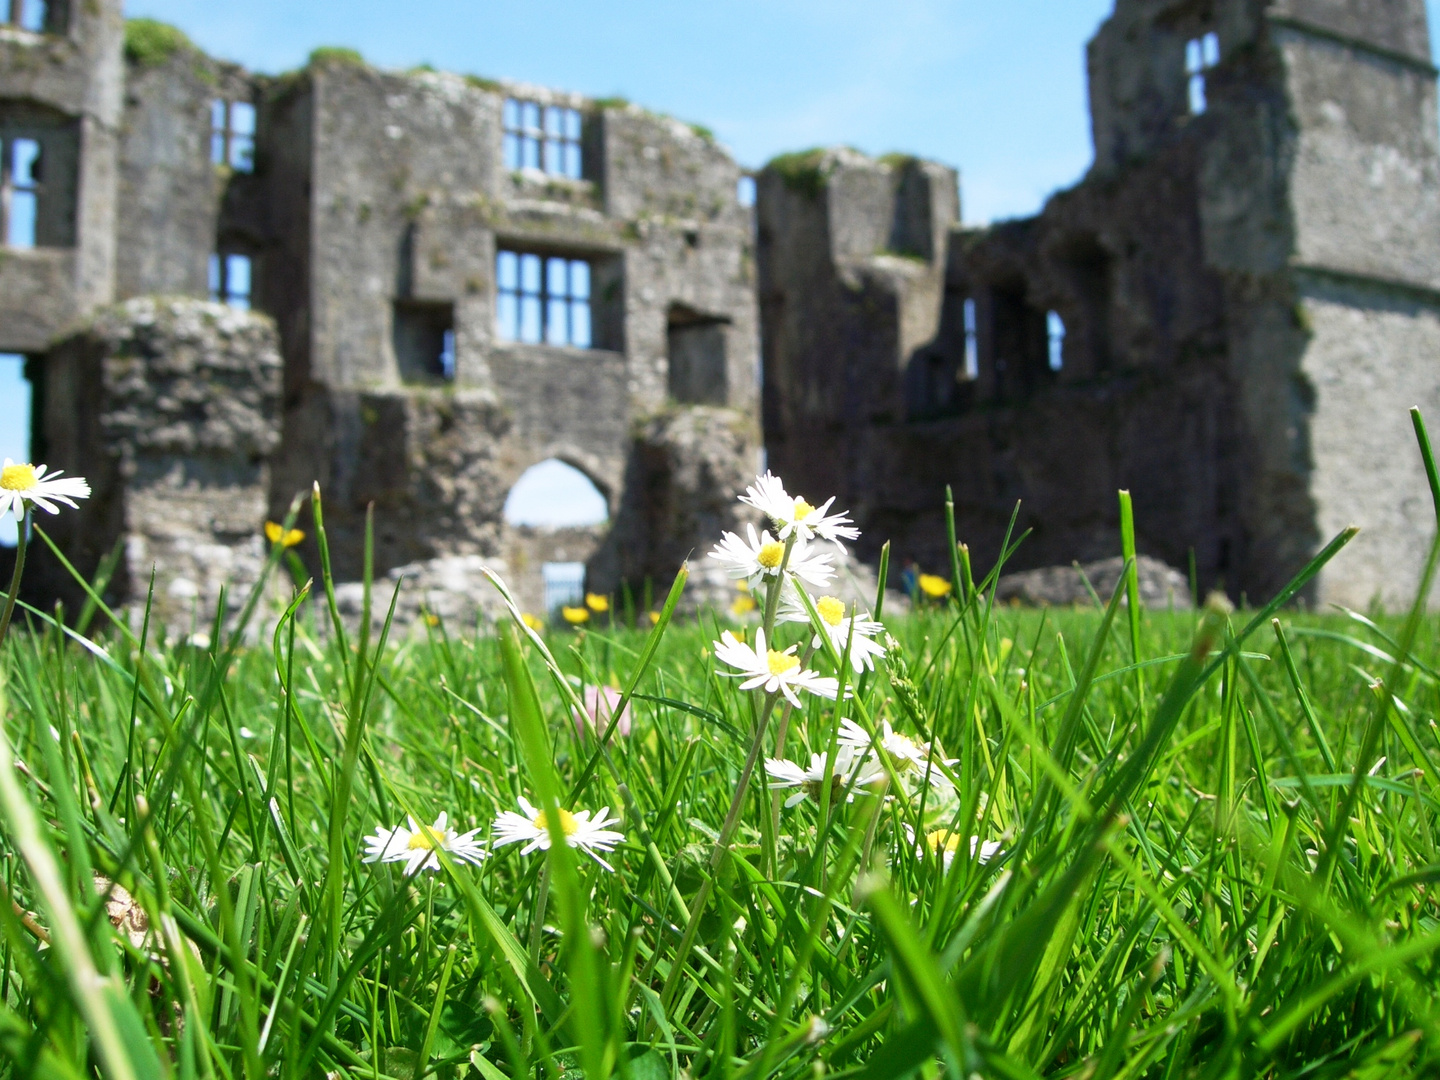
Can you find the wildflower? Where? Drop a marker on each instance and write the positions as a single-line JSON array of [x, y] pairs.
[[597, 603], [907, 755], [278, 534], [743, 605], [836, 624], [416, 846], [933, 586], [810, 781], [654, 618], [944, 843], [532, 621], [600, 702], [582, 831], [21, 484], [792, 514], [775, 671], [760, 557], [575, 615], [431, 619]]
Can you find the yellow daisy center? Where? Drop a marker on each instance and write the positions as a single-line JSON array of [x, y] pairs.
[[803, 509], [427, 838], [831, 610], [568, 825], [18, 477], [943, 840], [779, 662], [770, 555]]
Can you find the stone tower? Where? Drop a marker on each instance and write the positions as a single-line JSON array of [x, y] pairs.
[[1229, 315]]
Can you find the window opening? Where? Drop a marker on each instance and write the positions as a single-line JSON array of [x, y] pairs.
[[230, 279], [745, 191], [542, 298], [1201, 55], [424, 338], [696, 353], [544, 137], [15, 416], [232, 134], [1055, 333], [29, 15], [20, 169], [564, 584], [972, 341], [555, 495]]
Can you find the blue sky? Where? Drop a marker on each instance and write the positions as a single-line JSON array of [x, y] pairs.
[[993, 87]]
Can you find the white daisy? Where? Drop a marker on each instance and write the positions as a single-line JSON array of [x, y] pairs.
[[945, 843], [758, 558], [863, 650], [775, 671], [21, 484], [415, 846], [909, 757], [792, 514], [810, 781], [582, 831]]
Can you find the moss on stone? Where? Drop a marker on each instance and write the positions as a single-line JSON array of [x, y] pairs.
[[480, 82], [703, 131], [802, 172], [335, 54], [612, 103], [150, 43], [898, 160]]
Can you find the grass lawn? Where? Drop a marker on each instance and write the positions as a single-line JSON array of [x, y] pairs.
[[1024, 853]]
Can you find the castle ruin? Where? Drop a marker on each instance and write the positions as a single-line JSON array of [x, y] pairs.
[[413, 287], [1230, 315], [462, 278]]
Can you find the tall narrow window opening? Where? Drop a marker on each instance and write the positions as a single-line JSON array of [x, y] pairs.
[[15, 414], [1055, 334], [232, 134], [1201, 55], [972, 341], [423, 335], [230, 279], [543, 137], [745, 191], [542, 298], [20, 167], [32, 15]]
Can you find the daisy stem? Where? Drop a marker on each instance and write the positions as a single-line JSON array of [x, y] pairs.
[[717, 855], [20, 532], [732, 816], [772, 596]]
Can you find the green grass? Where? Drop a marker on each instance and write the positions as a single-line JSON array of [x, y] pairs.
[[1208, 870]]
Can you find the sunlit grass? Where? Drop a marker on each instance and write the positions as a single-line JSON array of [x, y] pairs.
[[1204, 846]]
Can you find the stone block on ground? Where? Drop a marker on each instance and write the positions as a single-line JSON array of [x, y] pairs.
[[1161, 586]]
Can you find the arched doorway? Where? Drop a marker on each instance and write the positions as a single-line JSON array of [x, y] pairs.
[[555, 517]]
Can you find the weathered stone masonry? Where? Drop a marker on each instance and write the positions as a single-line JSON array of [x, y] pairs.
[[1248, 284], [371, 222], [1250, 294]]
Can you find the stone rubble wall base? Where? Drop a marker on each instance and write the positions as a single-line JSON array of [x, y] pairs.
[[171, 408]]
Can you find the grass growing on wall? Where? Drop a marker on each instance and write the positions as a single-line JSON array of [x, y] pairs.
[[1204, 845]]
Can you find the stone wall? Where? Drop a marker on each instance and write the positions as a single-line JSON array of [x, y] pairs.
[[1249, 301], [171, 409], [62, 88]]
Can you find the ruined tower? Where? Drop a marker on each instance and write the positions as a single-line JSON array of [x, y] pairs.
[[1229, 315]]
